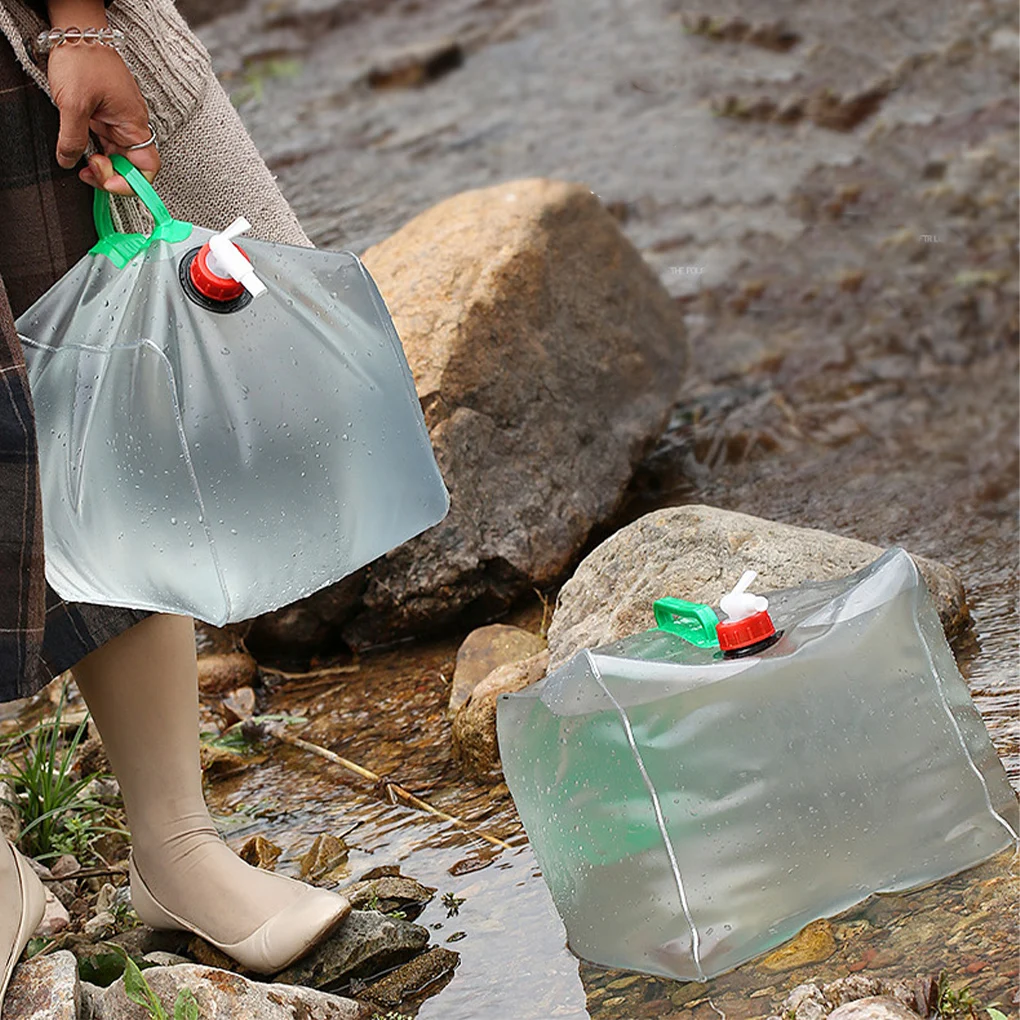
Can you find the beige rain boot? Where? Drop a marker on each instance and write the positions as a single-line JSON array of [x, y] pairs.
[[22, 904]]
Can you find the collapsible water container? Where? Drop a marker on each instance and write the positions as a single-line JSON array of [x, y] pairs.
[[221, 430], [697, 794]]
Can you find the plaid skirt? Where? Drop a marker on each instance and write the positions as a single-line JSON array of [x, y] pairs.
[[46, 214]]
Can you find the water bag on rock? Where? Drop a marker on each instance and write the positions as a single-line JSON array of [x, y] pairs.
[[693, 806], [222, 430]]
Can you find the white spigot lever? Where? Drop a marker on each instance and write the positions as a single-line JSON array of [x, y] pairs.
[[225, 258], [740, 603]]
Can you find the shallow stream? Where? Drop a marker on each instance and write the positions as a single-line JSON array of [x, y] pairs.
[[828, 190]]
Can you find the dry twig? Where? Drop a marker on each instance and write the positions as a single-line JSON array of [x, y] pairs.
[[394, 791]]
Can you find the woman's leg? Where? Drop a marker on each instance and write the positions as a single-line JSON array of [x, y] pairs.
[[142, 690]]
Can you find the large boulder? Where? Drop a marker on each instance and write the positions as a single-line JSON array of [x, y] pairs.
[[698, 553], [547, 356]]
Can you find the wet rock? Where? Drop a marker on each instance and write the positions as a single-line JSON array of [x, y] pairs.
[[813, 945], [223, 995], [413, 977], [547, 356], [309, 625], [698, 553], [326, 854], [261, 853], [389, 893], [366, 944], [238, 705], [484, 650], [474, 728], [415, 65], [876, 1007], [44, 988], [220, 674]]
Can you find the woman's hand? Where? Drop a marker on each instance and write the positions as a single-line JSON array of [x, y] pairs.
[[94, 90]]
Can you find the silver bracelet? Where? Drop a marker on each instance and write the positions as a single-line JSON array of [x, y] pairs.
[[74, 36]]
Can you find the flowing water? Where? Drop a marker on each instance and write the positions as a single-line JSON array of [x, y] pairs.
[[828, 191]]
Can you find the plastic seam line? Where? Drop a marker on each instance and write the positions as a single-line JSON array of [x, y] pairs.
[[959, 736], [660, 821]]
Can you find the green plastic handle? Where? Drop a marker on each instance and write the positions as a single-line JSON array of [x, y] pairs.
[[695, 622], [121, 248]]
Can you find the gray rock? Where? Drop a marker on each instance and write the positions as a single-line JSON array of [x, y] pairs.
[[484, 650], [44, 988], [920, 994], [223, 995], [389, 892], [166, 959], [308, 625], [875, 1007], [413, 976], [56, 918], [698, 553], [143, 940], [366, 943], [102, 926], [806, 1002], [474, 728]]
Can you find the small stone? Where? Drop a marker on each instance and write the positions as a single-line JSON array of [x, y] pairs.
[[850, 988], [624, 982], [474, 728], [876, 1007], [219, 674], [389, 894], [65, 866], [813, 945], [166, 959], [412, 977], [261, 853], [806, 1002], [366, 943], [416, 65], [102, 926], [324, 856], [45, 987], [106, 899], [56, 918], [484, 650], [238, 705]]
